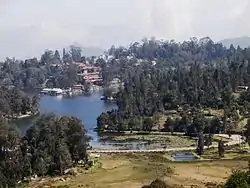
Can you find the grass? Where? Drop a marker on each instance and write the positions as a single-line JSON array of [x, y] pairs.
[[231, 152], [123, 168], [136, 170], [152, 141]]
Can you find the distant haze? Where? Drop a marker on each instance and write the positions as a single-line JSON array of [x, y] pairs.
[[28, 27], [243, 42]]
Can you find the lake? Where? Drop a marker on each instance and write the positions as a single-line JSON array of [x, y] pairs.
[[85, 108]]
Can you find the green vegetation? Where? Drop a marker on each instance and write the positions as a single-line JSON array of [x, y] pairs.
[[188, 78], [221, 148], [138, 170], [157, 184], [14, 102], [239, 179], [151, 141], [51, 70], [51, 146]]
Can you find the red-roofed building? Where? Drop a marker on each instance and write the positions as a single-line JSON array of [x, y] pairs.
[[89, 74]]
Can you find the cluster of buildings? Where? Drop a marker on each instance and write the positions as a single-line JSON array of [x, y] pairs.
[[89, 74], [86, 73], [89, 77]]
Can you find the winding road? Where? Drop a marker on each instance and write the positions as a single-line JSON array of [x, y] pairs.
[[235, 139]]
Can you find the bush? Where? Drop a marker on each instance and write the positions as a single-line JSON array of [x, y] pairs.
[[157, 184], [239, 179]]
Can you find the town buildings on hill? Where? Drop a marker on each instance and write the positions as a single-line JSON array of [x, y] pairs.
[[89, 74]]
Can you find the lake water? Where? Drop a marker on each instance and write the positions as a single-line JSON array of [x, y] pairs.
[[86, 108]]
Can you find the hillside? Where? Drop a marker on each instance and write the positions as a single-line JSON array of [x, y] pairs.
[[243, 42]]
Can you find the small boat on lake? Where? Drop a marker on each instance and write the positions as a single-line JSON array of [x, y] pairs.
[[103, 98]]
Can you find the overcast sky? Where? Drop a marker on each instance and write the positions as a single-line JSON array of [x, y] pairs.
[[28, 27]]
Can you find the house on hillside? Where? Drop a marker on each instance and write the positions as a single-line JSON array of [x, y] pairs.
[[242, 88], [89, 74]]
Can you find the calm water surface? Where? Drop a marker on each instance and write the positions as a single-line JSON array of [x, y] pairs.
[[86, 108]]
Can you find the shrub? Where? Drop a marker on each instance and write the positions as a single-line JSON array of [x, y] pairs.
[[157, 184], [239, 179]]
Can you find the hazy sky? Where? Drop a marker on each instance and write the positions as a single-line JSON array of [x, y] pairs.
[[28, 27]]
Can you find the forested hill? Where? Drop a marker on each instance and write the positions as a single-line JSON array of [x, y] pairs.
[[32, 73], [203, 51], [187, 77]]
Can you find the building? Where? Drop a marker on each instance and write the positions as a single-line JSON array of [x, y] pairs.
[[115, 83], [242, 88], [89, 74]]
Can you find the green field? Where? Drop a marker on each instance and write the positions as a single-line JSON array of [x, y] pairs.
[[135, 170]]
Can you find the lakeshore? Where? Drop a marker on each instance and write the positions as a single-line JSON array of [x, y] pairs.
[[85, 107]]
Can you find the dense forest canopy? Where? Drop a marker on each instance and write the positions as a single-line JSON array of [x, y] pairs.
[[160, 76], [14, 102], [52, 145], [51, 69], [33, 73], [172, 54]]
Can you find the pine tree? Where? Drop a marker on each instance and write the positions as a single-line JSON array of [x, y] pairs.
[[221, 148], [200, 147]]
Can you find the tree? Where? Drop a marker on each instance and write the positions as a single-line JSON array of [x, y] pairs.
[[76, 53], [26, 156], [103, 121], [47, 57], [34, 104], [66, 56], [77, 139], [68, 77], [208, 140], [239, 179], [157, 184], [57, 57], [54, 144], [39, 166], [247, 132], [200, 147], [221, 148], [215, 126], [148, 124], [169, 125], [199, 122], [14, 102], [10, 156], [63, 158], [131, 124]]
